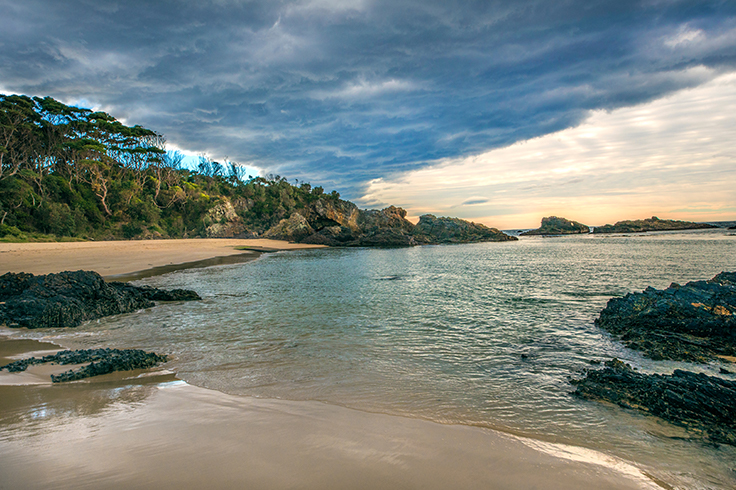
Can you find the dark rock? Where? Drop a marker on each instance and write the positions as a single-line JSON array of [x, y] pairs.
[[431, 229], [724, 371], [102, 361], [694, 322], [651, 224], [703, 404], [554, 225], [68, 298]]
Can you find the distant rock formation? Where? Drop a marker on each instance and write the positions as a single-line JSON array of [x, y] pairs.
[[651, 224], [705, 405], [432, 229], [341, 223], [554, 225], [68, 298], [695, 322]]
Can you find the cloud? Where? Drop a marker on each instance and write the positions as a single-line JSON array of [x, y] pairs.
[[672, 157], [342, 93]]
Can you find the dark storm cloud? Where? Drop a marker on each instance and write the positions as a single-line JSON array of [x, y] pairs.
[[343, 92]]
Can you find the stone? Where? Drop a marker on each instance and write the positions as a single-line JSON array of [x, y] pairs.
[[695, 322], [705, 405], [69, 298], [102, 361], [553, 225]]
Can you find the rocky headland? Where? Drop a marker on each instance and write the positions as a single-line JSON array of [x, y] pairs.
[[101, 361], [69, 298], [340, 223], [694, 322], [554, 225], [705, 405], [650, 224]]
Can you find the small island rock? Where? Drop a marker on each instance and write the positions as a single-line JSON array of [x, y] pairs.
[[553, 225]]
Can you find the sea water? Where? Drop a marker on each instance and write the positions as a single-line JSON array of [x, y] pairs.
[[483, 334]]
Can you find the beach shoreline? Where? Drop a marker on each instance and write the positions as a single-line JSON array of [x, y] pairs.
[[126, 259], [145, 429]]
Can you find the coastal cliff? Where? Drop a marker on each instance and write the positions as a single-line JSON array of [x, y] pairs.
[[553, 225], [650, 224]]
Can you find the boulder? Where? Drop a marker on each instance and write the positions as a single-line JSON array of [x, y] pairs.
[[223, 220], [293, 229], [69, 298], [705, 405], [694, 322]]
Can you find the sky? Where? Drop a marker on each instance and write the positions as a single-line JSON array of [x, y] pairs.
[[495, 111]]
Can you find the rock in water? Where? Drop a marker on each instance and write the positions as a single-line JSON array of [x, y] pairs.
[[701, 403], [102, 361], [650, 224], [694, 322], [68, 298], [431, 229], [553, 225]]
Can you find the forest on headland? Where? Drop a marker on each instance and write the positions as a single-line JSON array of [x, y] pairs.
[[73, 173]]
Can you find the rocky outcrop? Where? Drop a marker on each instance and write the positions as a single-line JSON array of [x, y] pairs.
[[694, 322], [335, 222], [68, 298], [223, 221], [431, 229], [705, 405], [293, 229], [554, 225], [101, 361], [651, 224]]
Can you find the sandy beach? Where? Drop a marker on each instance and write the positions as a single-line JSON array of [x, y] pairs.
[[146, 429], [115, 258]]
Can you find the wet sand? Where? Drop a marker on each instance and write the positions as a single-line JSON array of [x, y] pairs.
[[148, 430], [116, 258]]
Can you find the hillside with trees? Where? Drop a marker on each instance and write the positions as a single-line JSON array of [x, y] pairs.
[[72, 173]]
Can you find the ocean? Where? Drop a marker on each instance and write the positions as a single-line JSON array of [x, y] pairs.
[[485, 335]]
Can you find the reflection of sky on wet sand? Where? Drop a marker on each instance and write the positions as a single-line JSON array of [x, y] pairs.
[[145, 433], [34, 410]]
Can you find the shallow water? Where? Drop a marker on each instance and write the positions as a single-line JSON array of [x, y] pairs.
[[483, 334]]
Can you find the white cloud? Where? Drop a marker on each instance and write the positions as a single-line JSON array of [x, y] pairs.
[[673, 157], [685, 35], [363, 89]]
